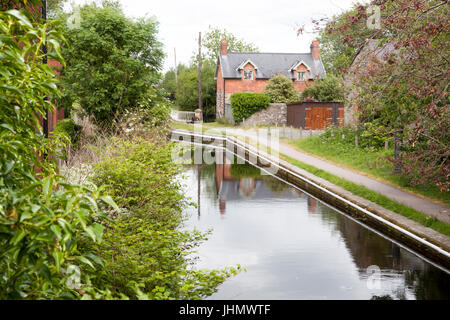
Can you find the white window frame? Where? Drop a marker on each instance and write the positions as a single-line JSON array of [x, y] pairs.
[[248, 70], [299, 73]]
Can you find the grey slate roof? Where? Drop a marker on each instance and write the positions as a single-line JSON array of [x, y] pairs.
[[269, 64]]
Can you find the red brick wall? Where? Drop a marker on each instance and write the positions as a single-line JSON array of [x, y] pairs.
[[256, 85]]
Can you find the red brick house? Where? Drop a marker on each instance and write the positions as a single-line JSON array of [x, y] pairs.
[[250, 72]]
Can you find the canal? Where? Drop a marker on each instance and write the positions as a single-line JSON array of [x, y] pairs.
[[295, 247]]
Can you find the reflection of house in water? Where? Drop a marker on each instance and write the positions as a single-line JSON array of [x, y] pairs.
[[234, 189], [312, 204]]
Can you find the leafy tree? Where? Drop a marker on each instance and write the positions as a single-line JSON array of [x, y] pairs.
[[54, 7], [406, 90], [169, 84], [281, 89], [337, 55], [211, 42], [112, 62], [330, 88], [187, 90]]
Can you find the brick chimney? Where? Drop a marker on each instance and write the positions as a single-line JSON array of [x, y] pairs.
[[315, 49], [223, 47]]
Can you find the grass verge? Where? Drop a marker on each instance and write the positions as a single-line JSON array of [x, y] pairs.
[[369, 161]]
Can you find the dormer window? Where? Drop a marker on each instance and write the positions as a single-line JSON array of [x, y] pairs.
[[248, 74], [301, 75]]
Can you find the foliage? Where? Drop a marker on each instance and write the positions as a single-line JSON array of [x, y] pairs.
[[54, 7], [25, 85], [212, 38], [338, 145], [405, 89], [245, 104], [185, 93], [377, 198], [69, 129], [330, 88], [20, 4], [143, 247], [112, 62], [187, 89], [152, 110], [244, 171], [169, 84], [337, 55], [280, 89], [42, 219], [275, 185]]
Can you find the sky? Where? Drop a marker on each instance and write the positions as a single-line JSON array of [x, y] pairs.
[[269, 24]]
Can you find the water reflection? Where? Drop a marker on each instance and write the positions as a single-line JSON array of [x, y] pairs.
[[294, 247]]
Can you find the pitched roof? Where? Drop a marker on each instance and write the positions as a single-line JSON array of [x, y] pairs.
[[269, 64]]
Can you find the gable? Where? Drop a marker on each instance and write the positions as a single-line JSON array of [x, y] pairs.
[[245, 63], [298, 64]]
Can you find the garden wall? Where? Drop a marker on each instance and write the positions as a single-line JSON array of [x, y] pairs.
[[276, 113]]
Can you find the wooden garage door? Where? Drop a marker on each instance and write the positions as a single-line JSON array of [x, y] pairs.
[[317, 118], [341, 117]]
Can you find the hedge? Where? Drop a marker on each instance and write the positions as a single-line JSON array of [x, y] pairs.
[[246, 104]]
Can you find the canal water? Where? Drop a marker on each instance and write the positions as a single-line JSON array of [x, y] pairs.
[[295, 247]]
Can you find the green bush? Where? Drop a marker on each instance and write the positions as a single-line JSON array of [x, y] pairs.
[[111, 62], [43, 221], [154, 112], [245, 104], [280, 89], [144, 248], [329, 89], [69, 129]]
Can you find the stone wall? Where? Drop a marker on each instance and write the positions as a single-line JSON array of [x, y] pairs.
[[220, 108], [276, 113]]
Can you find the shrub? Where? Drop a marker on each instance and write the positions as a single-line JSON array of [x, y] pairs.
[[143, 248], [69, 129], [246, 104], [329, 89], [280, 89], [43, 221]]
